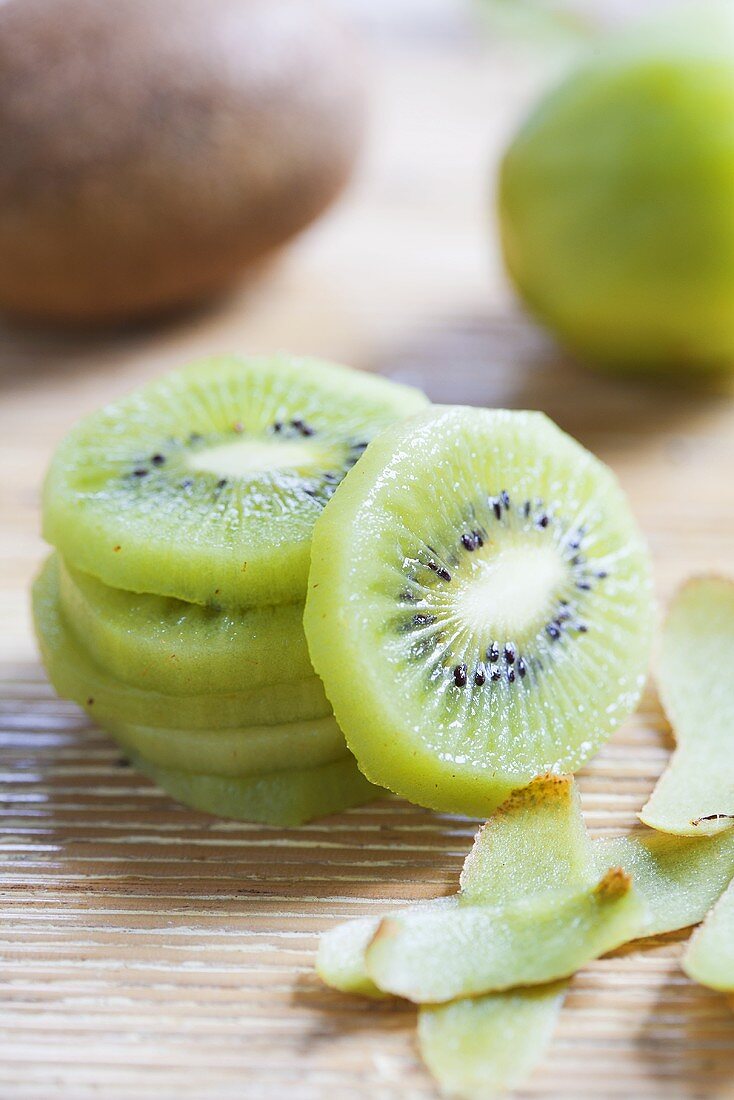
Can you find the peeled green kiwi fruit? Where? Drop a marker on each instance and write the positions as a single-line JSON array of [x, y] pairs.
[[479, 606], [279, 798], [76, 675], [164, 644], [615, 199], [205, 484], [153, 152]]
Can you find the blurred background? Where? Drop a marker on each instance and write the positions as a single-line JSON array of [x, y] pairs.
[[398, 270]]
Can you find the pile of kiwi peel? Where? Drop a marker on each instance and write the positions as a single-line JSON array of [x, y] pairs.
[[489, 992]]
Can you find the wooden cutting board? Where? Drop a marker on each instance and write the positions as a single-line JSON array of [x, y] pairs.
[[150, 952]]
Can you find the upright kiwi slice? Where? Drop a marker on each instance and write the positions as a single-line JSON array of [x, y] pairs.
[[479, 606], [695, 794], [205, 484], [77, 676], [167, 645]]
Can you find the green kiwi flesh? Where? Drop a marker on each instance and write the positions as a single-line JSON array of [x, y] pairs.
[[695, 794], [205, 484], [279, 798], [77, 676], [253, 750], [479, 606], [164, 644]]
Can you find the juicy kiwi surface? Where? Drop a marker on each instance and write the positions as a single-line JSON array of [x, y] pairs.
[[76, 675], [479, 606], [279, 798], [252, 750], [205, 485], [167, 645]]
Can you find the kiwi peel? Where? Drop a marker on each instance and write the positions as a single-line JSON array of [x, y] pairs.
[[709, 958], [695, 794], [479, 606], [535, 842]]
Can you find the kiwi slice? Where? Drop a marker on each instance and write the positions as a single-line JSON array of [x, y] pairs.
[[253, 750], [280, 798], [438, 957], [479, 606], [76, 676], [178, 648], [205, 485], [695, 794], [709, 958]]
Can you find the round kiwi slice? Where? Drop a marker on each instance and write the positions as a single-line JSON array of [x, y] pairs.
[[76, 676], [253, 750], [279, 798], [479, 606], [168, 645], [205, 485]]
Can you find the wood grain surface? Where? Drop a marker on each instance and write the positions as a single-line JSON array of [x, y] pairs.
[[149, 951]]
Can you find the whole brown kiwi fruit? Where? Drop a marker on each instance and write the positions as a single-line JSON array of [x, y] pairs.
[[154, 150]]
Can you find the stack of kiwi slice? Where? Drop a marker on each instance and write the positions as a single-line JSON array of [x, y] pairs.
[[264, 566], [172, 606]]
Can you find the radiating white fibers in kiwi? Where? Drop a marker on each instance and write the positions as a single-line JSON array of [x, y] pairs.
[[205, 484], [479, 606]]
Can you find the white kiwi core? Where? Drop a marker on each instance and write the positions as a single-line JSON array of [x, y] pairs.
[[512, 591], [247, 456]]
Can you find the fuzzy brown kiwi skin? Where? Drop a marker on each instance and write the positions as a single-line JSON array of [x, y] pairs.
[[153, 151]]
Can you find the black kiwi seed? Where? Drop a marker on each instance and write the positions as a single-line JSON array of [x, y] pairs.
[[278, 426], [543, 520], [522, 668], [553, 631], [187, 483], [511, 676], [497, 508], [460, 675], [468, 542], [158, 459], [140, 471], [584, 586], [582, 628], [480, 675], [510, 653], [423, 620], [221, 483], [495, 674], [493, 652], [505, 498]]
